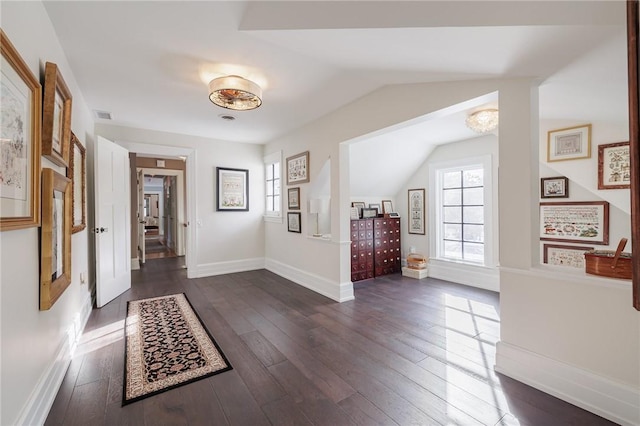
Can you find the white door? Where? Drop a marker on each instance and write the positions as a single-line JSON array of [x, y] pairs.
[[141, 216], [112, 221]]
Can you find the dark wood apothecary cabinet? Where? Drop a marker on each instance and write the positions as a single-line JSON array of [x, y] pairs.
[[375, 248]]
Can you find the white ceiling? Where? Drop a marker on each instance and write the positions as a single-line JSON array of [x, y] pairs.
[[148, 63]]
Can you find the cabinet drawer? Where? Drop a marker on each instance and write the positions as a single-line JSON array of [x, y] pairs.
[[354, 236]]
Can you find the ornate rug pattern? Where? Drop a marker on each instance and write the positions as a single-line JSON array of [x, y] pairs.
[[166, 346]]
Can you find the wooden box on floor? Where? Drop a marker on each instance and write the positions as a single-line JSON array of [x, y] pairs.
[[414, 273]]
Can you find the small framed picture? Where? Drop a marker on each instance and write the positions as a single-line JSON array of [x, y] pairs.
[[376, 206], [298, 168], [614, 166], [354, 213], [562, 255], [368, 213], [293, 222], [416, 211], [575, 222], [387, 207], [56, 117], [293, 197], [232, 190], [55, 237], [77, 173], [570, 143], [554, 187], [358, 205]]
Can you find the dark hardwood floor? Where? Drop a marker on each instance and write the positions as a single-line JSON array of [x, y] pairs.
[[405, 352]]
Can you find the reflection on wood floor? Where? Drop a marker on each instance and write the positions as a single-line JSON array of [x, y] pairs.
[[155, 248]]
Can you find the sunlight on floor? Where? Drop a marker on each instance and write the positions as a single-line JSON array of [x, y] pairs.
[[469, 353], [99, 338]]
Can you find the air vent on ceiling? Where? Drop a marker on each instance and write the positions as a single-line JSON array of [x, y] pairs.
[[102, 115]]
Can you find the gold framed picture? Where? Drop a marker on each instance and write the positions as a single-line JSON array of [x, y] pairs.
[[20, 107], [55, 241], [56, 117], [570, 143], [77, 173]]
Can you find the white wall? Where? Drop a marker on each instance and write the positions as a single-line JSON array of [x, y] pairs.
[[225, 241], [477, 276], [34, 343], [518, 238]]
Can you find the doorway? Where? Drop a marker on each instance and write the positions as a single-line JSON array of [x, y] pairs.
[[161, 212]]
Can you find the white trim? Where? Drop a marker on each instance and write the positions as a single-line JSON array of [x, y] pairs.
[[573, 275], [228, 267], [615, 401], [273, 218], [340, 292], [191, 254], [463, 273], [135, 264], [37, 407]]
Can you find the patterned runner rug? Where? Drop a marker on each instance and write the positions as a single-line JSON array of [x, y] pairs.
[[166, 346]]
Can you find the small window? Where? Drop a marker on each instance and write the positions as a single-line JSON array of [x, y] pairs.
[[273, 199]]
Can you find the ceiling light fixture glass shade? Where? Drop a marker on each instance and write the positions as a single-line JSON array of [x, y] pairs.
[[483, 121], [234, 92]]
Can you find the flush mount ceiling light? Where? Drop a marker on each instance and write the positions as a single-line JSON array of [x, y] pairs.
[[236, 93], [483, 121]]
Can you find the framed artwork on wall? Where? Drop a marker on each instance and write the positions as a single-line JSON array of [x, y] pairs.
[[55, 237], [554, 187], [416, 211], [298, 168], [562, 255], [20, 107], [232, 190], [570, 143], [77, 173], [56, 117], [293, 222], [576, 222], [614, 166], [293, 197]]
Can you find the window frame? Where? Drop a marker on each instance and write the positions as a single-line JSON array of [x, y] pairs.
[[269, 161], [436, 172]]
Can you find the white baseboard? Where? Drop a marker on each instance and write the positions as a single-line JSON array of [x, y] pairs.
[[135, 264], [36, 410], [615, 401], [473, 276], [220, 268], [340, 292]]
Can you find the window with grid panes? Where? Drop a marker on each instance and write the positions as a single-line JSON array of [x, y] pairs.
[[272, 181], [462, 232]]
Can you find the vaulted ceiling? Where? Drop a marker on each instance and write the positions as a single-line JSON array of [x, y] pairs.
[[148, 62]]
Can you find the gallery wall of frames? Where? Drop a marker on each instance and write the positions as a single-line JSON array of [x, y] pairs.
[[36, 121]]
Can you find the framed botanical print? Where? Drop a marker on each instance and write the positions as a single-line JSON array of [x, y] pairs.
[[293, 198], [614, 166], [56, 117], [77, 173], [55, 237], [416, 211], [570, 143], [232, 190], [554, 187], [293, 222], [20, 109], [298, 168]]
